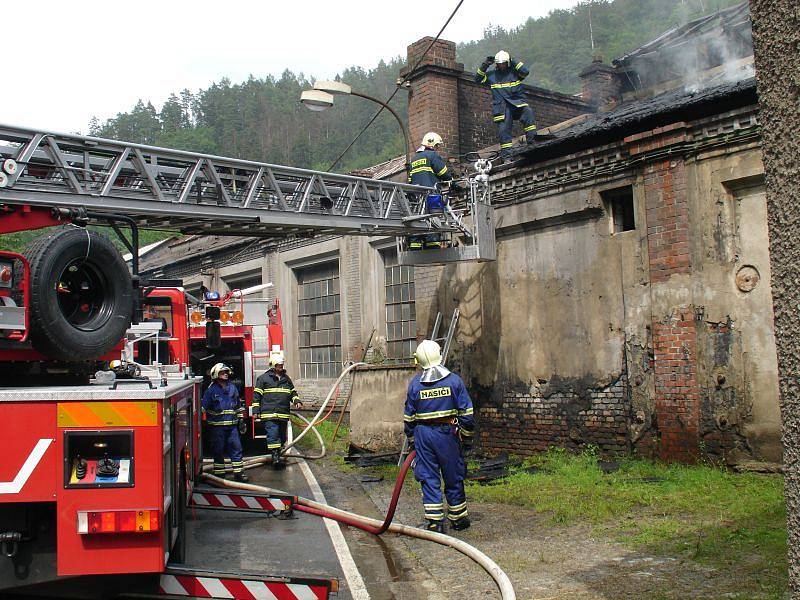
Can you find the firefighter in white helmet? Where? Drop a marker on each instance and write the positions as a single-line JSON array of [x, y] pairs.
[[438, 421], [224, 410], [428, 169], [273, 396], [508, 97]]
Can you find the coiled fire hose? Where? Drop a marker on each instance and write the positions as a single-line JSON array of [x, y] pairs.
[[377, 527]]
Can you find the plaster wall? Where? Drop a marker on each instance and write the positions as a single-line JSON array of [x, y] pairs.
[[376, 407]]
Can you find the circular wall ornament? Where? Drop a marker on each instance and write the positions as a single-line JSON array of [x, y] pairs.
[[747, 278]]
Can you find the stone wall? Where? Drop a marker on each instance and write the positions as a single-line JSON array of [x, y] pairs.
[[658, 339], [776, 34]]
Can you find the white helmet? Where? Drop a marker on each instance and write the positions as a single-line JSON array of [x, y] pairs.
[[428, 354], [431, 139], [276, 358], [502, 57], [219, 368]]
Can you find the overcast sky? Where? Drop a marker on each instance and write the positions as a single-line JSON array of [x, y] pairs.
[[68, 61]]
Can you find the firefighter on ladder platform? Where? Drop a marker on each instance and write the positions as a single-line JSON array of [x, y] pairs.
[[508, 98], [428, 169], [224, 412], [273, 395], [437, 416]]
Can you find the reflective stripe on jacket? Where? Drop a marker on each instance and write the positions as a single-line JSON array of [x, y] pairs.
[[506, 87], [273, 396], [222, 404], [428, 168]]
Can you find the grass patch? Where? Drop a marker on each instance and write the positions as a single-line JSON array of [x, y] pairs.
[[716, 517]]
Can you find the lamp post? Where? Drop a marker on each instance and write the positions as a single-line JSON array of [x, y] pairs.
[[321, 98]]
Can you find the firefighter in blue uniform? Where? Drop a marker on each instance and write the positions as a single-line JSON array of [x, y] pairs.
[[273, 396], [224, 412], [438, 420], [428, 169], [508, 98]]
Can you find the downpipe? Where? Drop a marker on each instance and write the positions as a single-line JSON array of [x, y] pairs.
[[377, 527]]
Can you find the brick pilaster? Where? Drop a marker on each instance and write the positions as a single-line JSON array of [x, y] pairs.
[[677, 402]]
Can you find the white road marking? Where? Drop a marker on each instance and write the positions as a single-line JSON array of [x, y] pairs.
[[214, 587], [16, 485], [355, 582]]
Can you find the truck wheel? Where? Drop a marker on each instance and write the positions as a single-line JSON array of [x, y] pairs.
[[81, 294]]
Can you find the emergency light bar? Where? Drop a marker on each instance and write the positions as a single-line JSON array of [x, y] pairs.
[[118, 521]]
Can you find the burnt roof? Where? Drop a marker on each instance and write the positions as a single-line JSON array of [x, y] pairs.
[[734, 20], [657, 111]]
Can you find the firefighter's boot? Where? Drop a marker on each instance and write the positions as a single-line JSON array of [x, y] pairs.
[[435, 526], [241, 477], [460, 524], [277, 460]]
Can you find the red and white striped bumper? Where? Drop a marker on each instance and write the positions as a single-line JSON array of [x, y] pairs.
[[242, 501], [242, 588]]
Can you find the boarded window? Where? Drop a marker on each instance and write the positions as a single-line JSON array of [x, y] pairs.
[[319, 321], [619, 205], [401, 313]]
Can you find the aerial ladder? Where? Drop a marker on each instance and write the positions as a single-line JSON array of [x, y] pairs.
[[194, 193]]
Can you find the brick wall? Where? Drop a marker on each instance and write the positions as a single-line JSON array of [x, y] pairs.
[[433, 98], [677, 393], [528, 420]]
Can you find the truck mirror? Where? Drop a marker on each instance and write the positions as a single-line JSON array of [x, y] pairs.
[[213, 335]]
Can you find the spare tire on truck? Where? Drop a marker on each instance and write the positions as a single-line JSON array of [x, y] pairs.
[[81, 294]]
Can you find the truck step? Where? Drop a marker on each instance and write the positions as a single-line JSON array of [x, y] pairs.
[[176, 581], [224, 499]]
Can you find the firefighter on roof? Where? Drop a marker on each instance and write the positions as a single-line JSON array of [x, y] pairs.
[[273, 395], [428, 169], [224, 410], [438, 413], [508, 98]]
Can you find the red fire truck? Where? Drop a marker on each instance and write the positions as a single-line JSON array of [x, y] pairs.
[[98, 463]]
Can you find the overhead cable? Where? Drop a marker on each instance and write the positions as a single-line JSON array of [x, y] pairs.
[[414, 68]]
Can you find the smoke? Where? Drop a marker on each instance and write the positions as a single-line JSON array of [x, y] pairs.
[[723, 53]]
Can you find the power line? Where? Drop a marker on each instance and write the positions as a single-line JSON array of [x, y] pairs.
[[414, 68]]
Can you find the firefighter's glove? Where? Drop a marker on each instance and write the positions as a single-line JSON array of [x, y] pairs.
[[242, 426], [297, 405], [410, 446]]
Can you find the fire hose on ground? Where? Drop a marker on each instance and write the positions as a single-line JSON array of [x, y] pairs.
[[359, 521], [377, 527]]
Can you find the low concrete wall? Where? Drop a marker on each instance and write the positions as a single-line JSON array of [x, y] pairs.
[[376, 407]]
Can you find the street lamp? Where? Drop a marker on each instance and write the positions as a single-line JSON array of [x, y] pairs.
[[321, 98]]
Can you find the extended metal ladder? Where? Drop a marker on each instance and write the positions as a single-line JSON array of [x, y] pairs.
[[211, 195], [444, 342], [199, 193]]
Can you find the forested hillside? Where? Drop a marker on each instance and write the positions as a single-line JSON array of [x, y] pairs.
[[262, 118]]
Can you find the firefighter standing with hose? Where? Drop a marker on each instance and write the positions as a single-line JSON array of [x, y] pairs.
[[224, 413], [438, 413], [273, 396]]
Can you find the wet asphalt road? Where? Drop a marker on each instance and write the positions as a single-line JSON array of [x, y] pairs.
[[268, 546]]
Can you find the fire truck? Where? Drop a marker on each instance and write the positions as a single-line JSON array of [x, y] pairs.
[[102, 369]]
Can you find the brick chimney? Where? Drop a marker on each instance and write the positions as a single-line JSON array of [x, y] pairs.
[[433, 97], [601, 85]]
